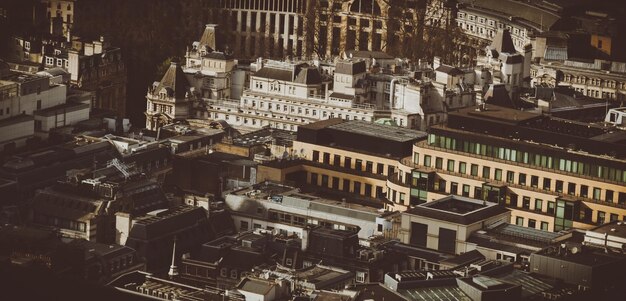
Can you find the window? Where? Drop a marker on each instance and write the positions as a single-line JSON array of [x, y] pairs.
[[474, 170], [244, 226], [360, 277], [347, 162], [223, 272], [532, 223], [486, 172], [454, 188], [559, 186], [316, 156], [609, 196], [466, 190], [358, 164], [498, 175], [584, 191], [538, 204], [462, 167], [233, 274], [519, 221], [596, 193], [380, 168], [601, 217], [369, 166], [510, 177], [522, 179], [571, 188], [313, 178], [427, 161], [544, 226], [337, 160], [326, 158], [451, 165], [439, 163], [547, 183], [550, 207], [534, 181], [526, 203]]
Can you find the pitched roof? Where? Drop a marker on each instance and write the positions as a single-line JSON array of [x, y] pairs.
[[274, 73], [453, 71], [175, 81], [309, 76], [503, 42], [208, 37]]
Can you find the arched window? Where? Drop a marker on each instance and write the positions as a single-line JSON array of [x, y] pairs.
[[365, 7]]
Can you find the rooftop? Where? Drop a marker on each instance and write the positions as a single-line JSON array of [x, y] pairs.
[[388, 132], [615, 228], [458, 209]]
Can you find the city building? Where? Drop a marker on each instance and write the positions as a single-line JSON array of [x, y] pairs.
[[283, 209], [61, 14], [446, 224], [552, 173], [32, 105]]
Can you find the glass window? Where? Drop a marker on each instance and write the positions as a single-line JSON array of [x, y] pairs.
[[584, 191], [454, 188], [534, 181], [474, 170], [498, 175], [438, 163], [526, 203], [466, 190], [532, 223], [571, 188], [596, 193], [451, 165], [519, 221], [550, 207], [538, 204], [522, 179], [544, 226], [609, 196], [358, 164], [427, 162], [601, 217], [547, 183], [510, 177], [462, 167], [486, 172], [559, 186]]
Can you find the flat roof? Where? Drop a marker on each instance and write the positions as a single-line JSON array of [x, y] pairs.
[[436, 293], [458, 209], [66, 107], [497, 113], [612, 229], [387, 132]]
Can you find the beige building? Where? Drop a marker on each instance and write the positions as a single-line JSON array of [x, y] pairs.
[[552, 174], [446, 224]]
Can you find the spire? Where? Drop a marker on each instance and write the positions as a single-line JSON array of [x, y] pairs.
[[173, 268]]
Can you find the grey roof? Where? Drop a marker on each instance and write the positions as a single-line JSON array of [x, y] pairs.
[[62, 108], [465, 258], [174, 81], [503, 42], [274, 73], [388, 132], [370, 54], [511, 59], [448, 208], [219, 56], [308, 76], [555, 53], [350, 67], [341, 96], [449, 70], [256, 286]]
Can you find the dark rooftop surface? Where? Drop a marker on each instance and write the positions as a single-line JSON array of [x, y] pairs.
[[388, 132], [497, 113], [615, 228], [457, 209]]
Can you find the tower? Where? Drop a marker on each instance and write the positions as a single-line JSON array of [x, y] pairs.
[[173, 268]]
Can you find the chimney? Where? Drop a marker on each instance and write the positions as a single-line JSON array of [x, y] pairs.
[[97, 47], [436, 62], [123, 224], [88, 49]]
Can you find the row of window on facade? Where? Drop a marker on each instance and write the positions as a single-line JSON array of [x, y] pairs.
[[347, 163], [522, 180], [346, 185]]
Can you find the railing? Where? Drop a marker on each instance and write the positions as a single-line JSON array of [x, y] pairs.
[[395, 179]]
